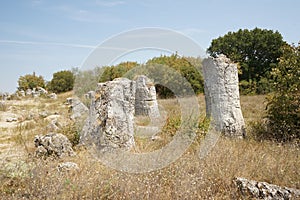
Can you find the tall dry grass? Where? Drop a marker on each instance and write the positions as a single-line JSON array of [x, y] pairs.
[[189, 177]]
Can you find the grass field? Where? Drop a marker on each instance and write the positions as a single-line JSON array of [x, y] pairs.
[[24, 177]]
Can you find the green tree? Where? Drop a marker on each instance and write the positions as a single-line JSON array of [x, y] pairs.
[[283, 112], [112, 72], [257, 52], [188, 67], [62, 81], [30, 81]]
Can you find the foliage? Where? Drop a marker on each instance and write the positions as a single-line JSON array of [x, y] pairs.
[[62, 81], [112, 72], [257, 52], [284, 105], [188, 68], [86, 81], [30, 81], [185, 67]]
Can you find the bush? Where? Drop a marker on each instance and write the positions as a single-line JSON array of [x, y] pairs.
[[62, 81], [30, 81], [283, 112]]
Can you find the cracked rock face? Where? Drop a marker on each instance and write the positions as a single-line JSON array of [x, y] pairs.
[[263, 190], [111, 116], [145, 98], [222, 96], [53, 144]]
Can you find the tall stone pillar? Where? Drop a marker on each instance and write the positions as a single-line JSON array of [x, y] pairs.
[[222, 96]]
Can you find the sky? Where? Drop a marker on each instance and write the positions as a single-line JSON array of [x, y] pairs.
[[46, 36]]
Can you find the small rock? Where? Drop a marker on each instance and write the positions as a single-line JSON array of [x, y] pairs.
[[67, 166], [11, 119], [43, 114], [53, 96], [53, 144]]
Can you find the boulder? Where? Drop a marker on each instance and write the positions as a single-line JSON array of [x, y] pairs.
[[53, 144], [78, 109], [263, 190], [111, 116], [145, 98], [222, 96]]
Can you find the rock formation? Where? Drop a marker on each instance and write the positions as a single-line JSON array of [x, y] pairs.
[[53, 144], [263, 190], [111, 116], [222, 96], [145, 98]]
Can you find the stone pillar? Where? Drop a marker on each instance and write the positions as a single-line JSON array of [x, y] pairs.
[[222, 96], [145, 98], [110, 124]]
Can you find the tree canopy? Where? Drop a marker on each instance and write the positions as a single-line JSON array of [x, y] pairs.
[[257, 52], [62, 81], [30, 81]]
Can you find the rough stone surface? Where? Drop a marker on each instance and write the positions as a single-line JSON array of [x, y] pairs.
[[53, 96], [263, 190], [78, 109], [145, 98], [53, 144], [111, 118], [222, 96], [67, 167], [11, 119]]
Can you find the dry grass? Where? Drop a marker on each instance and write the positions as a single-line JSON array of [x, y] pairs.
[[187, 178]]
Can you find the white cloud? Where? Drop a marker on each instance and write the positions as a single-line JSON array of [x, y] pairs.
[[108, 3], [18, 42]]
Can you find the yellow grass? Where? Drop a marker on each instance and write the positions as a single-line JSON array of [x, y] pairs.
[[189, 177]]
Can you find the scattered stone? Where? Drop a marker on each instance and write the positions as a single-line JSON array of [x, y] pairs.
[[53, 144], [43, 114], [77, 108], [11, 119], [222, 96], [111, 117], [22, 93], [42, 90], [67, 167], [28, 92], [145, 98], [53, 126], [263, 190], [53, 96]]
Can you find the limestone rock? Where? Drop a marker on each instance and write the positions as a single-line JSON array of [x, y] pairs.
[[53, 144], [145, 98], [111, 117], [265, 190], [11, 119], [67, 167], [78, 109], [28, 92], [222, 96], [53, 96]]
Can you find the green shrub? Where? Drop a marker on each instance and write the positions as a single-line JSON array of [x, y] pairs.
[[283, 112], [62, 81], [30, 81]]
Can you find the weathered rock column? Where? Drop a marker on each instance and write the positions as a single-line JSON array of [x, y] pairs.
[[222, 96], [145, 98], [111, 118]]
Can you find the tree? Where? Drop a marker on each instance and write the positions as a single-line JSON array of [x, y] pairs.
[[257, 52], [283, 112], [62, 81], [30, 81]]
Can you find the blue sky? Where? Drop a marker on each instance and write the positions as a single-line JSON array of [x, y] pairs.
[[49, 36]]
